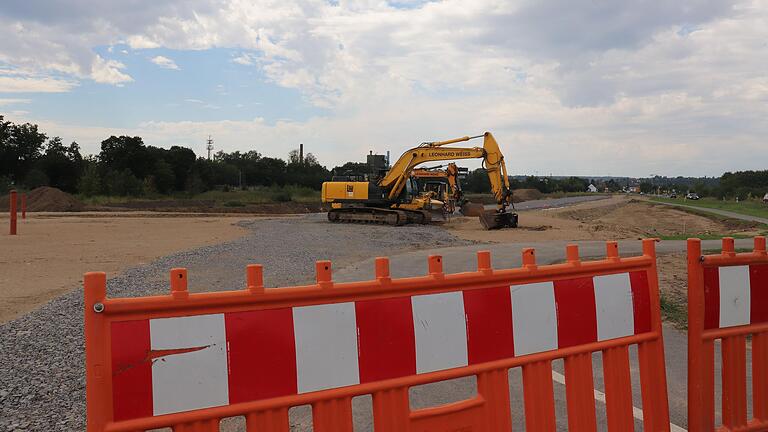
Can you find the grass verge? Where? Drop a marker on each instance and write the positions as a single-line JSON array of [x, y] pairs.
[[231, 198], [748, 208], [674, 312]]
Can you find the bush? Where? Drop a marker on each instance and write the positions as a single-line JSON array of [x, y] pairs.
[[281, 196], [90, 182]]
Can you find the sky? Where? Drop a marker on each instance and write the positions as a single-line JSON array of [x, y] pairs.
[[567, 87]]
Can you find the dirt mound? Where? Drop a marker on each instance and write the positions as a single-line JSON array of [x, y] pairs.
[[520, 195], [46, 199]]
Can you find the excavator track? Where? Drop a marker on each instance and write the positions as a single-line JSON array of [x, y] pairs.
[[374, 215]]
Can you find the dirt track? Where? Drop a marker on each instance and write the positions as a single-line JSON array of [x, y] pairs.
[[50, 255], [610, 219]]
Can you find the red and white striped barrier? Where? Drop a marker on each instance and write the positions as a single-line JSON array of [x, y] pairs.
[[735, 295], [170, 365]]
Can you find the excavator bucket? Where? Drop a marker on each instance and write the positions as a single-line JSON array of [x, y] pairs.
[[472, 209], [492, 220]]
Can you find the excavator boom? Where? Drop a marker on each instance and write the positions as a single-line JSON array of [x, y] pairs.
[[493, 161]]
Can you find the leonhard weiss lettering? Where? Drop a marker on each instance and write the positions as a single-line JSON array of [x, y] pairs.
[[451, 154]]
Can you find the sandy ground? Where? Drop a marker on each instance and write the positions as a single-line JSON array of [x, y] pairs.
[[50, 254], [612, 219]]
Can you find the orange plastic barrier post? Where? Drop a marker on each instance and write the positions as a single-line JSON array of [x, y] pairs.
[[23, 206], [727, 300], [13, 212], [188, 360]]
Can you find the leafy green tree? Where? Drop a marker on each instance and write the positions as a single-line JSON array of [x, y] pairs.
[[20, 147], [36, 178], [90, 180], [62, 164], [127, 153], [182, 161], [163, 176], [122, 183]]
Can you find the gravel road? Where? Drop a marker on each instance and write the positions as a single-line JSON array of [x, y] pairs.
[[42, 379]]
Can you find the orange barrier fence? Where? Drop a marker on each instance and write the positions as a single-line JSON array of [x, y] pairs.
[[727, 301], [187, 361], [12, 209]]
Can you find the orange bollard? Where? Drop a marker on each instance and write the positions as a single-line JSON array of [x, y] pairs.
[[13, 212], [23, 206]]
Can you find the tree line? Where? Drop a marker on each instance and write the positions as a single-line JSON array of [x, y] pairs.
[[126, 166]]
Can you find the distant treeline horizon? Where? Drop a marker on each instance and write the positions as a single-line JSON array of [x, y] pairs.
[[126, 166]]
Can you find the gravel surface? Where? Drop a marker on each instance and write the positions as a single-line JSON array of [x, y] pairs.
[[42, 377]]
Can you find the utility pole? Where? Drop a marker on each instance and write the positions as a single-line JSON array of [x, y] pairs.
[[301, 153], [209, 146]]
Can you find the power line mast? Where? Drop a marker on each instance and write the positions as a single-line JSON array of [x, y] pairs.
[[209, 146]]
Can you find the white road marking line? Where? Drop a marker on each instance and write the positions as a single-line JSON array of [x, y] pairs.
[[600, 396]]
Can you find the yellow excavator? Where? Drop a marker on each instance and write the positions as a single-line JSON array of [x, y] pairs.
[[441, 183], [393, 197]]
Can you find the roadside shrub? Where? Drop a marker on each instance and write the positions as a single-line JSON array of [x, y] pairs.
[[281, 196]]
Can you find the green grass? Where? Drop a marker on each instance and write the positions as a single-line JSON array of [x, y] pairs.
[[749, 208], [718, 251], [674, 312], [702, 236], [262, 195], [106, 199], [232, 198]]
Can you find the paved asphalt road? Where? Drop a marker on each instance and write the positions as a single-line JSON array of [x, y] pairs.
[[463, 258], [726, 213]]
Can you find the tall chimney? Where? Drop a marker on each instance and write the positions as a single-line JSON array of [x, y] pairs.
[[301, 153]]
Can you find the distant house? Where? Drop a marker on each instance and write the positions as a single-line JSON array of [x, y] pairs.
[[592, 188], [765, 198]]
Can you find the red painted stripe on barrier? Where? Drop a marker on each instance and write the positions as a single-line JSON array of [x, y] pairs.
[[758, 289], [641, 301], [489, 324], [711, 298], [386, 341], [261, 354], [576, 312], [131, 370]]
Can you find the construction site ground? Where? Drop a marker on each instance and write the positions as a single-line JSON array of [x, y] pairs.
[[41, 268]]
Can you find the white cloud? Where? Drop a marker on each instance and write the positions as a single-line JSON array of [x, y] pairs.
[[22, 83], [13, 101], [164, 62], [109, 71], [615, 88], [244, 59]]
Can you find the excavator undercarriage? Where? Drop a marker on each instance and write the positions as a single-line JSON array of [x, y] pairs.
[[374, 215]]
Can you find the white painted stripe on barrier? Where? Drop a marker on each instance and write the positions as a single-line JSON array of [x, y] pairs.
[[190, 380], [734, 296], [613, 302], [534, 317], [326, 346], [440, 328]]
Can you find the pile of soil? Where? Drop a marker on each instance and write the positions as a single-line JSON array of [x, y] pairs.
[[46, 199], [520, 195]]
